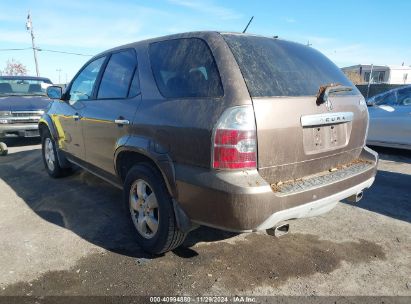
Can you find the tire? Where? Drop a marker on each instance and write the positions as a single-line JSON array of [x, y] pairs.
[[50, 159], [151, 210], [3, 149]]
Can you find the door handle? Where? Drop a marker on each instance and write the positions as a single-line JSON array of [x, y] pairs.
[[122, 121]]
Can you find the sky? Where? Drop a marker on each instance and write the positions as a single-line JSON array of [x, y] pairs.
[[349, 32]]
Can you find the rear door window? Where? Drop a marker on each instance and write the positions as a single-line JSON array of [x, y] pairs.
[[404, 97], [185, 68], [388, 99], [118, 75], [273, 67]]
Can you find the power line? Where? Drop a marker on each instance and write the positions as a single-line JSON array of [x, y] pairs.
[[46, 50], [16, 49], [62, 52]]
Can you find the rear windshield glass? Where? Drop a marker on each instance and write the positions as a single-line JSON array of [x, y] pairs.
[[185, 68], [273, 67]]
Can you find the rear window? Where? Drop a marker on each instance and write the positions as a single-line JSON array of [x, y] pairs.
[[273, 67], [185, 68]]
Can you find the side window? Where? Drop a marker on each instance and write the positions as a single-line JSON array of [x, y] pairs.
[[185, 68], [82, 87], [389, 99], [118, 76], [135, 85], [404, 97], [377, 76]]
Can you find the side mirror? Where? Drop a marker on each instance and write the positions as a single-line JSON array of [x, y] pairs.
[[54, 92]]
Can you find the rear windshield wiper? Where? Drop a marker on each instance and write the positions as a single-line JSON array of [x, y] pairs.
[[324, 91]]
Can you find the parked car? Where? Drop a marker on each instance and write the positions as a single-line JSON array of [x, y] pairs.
[[23, 101], [390, 119], [232, 131]]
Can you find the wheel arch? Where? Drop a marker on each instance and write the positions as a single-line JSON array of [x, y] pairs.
[[128, 155], [46, 123]]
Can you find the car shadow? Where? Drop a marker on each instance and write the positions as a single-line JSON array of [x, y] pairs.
[[392, 154], [84, 204], [19, 142], [390, 194], [93, 209]]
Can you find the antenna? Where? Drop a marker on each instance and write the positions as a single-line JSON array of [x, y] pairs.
[[248, 24]]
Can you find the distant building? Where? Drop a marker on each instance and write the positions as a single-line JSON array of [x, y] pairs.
[[390, 74]]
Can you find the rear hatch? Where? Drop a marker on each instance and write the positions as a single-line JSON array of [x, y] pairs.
[[298, 134]]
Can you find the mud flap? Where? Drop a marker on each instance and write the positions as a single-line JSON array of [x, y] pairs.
[[183, 222], [63, 162]]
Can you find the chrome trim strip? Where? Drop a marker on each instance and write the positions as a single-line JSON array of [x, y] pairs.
[[326, 119], [20, 118], [122, 121], [28, 112]]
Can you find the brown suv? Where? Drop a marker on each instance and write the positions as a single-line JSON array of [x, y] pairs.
[[232, 131]]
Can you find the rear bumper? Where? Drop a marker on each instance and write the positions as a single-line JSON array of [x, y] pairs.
[[243, 201], [19, 130], [314, 208]]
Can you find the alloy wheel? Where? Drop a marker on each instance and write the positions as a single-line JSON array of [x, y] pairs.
[[49, 154], [144, 209]]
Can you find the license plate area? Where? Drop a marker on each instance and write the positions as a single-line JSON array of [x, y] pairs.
[[325, 137]]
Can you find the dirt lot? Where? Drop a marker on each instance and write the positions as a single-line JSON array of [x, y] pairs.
[[71, 236]]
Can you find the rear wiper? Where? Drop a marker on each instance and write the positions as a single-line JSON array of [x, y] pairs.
[[324, 91]]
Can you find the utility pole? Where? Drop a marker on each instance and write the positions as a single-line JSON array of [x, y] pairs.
[[59, 70], [29, 27], [370, 80]]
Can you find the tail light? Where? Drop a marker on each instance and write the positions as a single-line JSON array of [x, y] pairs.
[[234, 139]]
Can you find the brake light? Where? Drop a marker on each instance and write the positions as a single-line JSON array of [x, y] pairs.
[[235, 140]]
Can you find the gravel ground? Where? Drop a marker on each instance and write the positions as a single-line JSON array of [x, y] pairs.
[[71, 236]]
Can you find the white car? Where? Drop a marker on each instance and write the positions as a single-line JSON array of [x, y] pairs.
[[390, 119]]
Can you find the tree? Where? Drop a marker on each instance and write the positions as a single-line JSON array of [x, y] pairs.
[[14, 68], [354, 77]]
